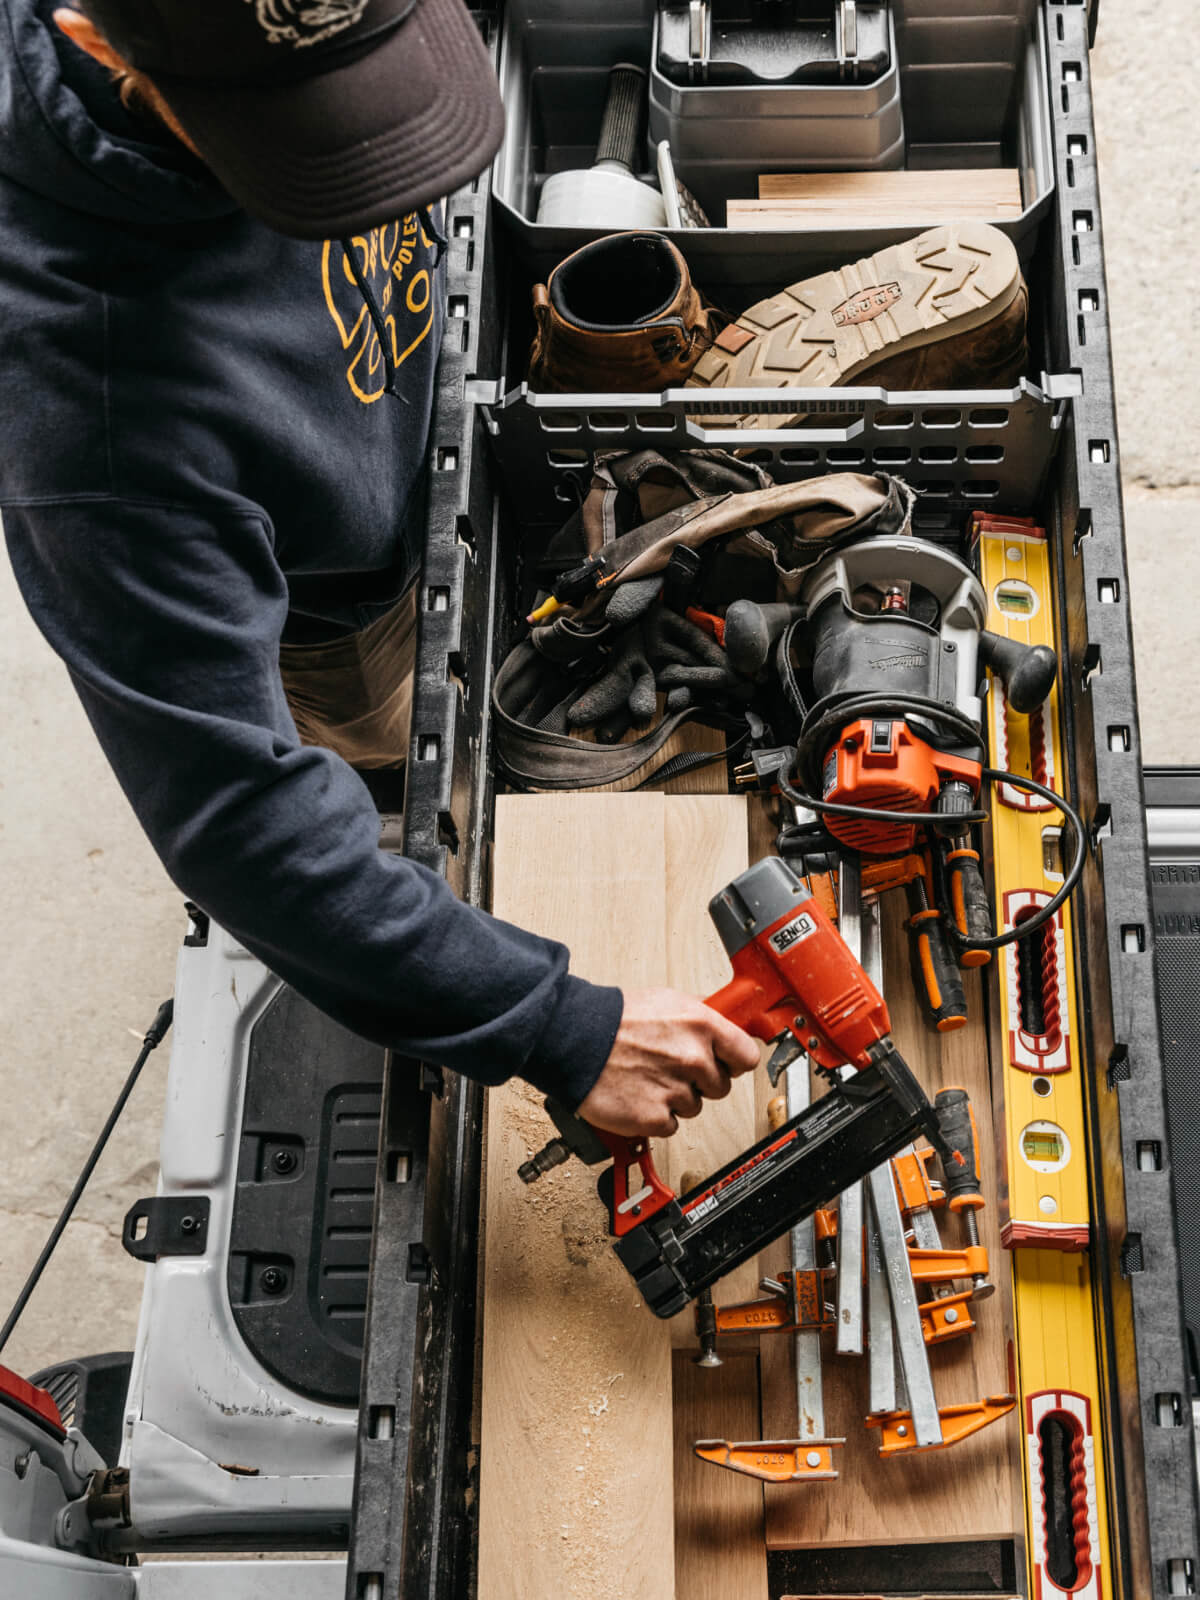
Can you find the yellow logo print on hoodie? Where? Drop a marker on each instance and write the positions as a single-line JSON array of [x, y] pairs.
[[395, 262]]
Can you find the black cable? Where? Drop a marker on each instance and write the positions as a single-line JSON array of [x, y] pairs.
[[686, 761], [939, 819], [1043, 914], [153, 1038], [869, 813], [821, 728]]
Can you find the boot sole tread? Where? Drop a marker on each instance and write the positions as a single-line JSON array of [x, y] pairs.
[[944, 282]]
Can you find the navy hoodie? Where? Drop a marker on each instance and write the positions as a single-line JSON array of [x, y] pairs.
[[196, 440]]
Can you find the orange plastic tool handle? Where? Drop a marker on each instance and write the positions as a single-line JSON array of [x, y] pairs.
[[628, 1209]]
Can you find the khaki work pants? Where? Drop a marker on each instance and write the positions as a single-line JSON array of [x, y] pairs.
[[353, 695]]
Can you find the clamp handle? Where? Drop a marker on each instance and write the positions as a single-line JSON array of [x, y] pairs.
[[969, 905], [935, 972], [1028, 672], [961, 1169], [751, 630]]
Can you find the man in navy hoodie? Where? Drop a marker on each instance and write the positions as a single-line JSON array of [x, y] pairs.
[[220, 311]]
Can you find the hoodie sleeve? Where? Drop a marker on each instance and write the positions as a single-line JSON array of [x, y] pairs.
[[169, 622]]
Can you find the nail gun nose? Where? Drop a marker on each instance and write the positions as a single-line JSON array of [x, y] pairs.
[[552, 1154]]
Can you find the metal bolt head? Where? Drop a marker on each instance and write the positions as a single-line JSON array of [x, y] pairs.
[[813, 1042], [284, 1161], [188, 1224], [951, 1313], [272, 1280], [813, 1458], [902, 1430]]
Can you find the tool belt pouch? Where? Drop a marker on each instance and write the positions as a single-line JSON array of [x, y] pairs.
[[640, 508]]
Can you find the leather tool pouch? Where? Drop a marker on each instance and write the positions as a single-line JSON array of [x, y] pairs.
[[639, 509]]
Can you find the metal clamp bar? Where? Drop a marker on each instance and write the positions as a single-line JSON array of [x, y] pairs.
[[850, 1205], [881, 1357], [810, 1399], [908, 1335]]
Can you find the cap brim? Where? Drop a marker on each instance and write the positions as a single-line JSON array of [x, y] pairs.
[[362, 144]]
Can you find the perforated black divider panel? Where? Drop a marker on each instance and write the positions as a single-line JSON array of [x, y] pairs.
[[1175, 887]]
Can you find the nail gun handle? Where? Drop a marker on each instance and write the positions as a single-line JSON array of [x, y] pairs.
[[592, 1145], [961, 1169], [969, 904], [741, 1002], [628, 1208]]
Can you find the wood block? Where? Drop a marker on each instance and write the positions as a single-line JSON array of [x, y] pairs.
[[879, 199], [576, 1483], [762, 827], [936, 1495], [576, 1477], [719, 1549], [948, 185]]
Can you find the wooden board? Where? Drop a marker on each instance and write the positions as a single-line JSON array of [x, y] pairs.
[[719, 1548], [576, 1471], [998, 186], [879, 199], [575, 1498], [974, 1489]]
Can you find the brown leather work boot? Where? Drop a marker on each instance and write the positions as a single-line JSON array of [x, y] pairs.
[[946, 310], [619, 315]]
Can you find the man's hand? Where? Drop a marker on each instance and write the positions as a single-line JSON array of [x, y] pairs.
[[671, 1054]]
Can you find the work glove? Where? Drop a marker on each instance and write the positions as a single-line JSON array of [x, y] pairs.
[[660, 651], [622, 696], [631, 601], [685, 657]]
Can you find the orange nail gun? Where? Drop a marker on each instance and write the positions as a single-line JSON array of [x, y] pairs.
[[796, 984]]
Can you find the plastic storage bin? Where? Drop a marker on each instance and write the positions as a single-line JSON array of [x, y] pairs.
[[553, 64], [960, 65], [721, 134]]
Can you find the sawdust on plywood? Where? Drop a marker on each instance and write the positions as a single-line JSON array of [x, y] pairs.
[[585, 1413]]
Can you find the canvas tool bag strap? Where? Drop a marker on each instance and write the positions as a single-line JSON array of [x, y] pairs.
[[790, 524], [534, 757]]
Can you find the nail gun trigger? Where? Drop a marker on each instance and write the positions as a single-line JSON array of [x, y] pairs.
[[781, 1058]]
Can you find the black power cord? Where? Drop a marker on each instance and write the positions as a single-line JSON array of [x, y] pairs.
[[155, 1035], [1043, 914], [1030, 924]]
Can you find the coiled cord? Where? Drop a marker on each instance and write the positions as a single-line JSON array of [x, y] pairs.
[[997, 941]]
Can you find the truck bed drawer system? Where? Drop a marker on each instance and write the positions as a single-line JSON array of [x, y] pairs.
[[507, 465]]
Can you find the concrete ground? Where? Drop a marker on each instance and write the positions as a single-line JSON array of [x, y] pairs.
[[89, 925]]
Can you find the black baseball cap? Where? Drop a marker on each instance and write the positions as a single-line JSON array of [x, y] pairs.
[[322, 117]]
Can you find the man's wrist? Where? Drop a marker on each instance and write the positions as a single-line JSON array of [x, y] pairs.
[[576, 1042]]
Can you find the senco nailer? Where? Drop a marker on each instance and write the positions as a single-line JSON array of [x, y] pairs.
[[796, 984]]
